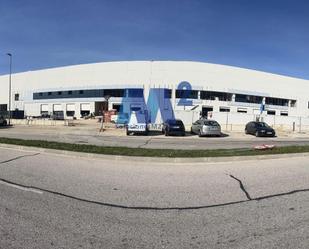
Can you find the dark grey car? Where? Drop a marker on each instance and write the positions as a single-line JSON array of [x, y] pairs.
[[3, 121], [206, 127], [259, 129]]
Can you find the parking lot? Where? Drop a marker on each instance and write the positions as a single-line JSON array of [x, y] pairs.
[[88, 132]]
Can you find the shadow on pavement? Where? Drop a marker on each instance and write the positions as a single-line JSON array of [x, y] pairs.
[[6, 127]]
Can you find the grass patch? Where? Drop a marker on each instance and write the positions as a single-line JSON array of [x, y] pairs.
[[125, 151]]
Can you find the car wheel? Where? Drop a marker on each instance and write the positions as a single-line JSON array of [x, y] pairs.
[[257, 134], [166, 133], [200, 133], [191, 131], [127, 132], [246, 131], [146, 131], [183, 134], [5, 123]]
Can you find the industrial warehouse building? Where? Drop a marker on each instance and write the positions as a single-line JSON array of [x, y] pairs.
[[185, 90]]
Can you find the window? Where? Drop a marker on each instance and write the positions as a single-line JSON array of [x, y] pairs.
[[271, 112], [283, 113], [114, 92], [81, 91], [224, 109], [293, 103], [167, 93], [136, 93], [16, 97], [242, 110], [3, 107], [211, 123], [277, 101], [197, 122], [70, 92], [40, 94], [59, 93], [210, 95], [248, 99], [49, 93], [186, 94]]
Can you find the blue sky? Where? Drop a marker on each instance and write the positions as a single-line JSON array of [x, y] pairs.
[[266, 35]]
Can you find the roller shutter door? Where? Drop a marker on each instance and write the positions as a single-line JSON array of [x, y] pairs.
[[71, 107], [44, 108], [57, 108], [85, 107]]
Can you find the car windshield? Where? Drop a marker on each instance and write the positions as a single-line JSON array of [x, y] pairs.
[[211, 123], [174, 122], [262, 124]]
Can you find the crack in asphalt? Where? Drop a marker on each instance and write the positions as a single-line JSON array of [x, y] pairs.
[[146, 143], [112, 205], [242, 187], [19, 157]]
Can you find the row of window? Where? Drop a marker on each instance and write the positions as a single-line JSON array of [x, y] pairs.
[[244, 110], [93, 93], [224, 96], [180, 94]]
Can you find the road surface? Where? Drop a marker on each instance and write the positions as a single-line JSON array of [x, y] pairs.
[[62, 201]]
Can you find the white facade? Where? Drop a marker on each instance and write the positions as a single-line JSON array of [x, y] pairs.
[[291, 95]]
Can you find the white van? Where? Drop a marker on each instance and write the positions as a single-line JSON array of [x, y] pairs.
[[138, 122]]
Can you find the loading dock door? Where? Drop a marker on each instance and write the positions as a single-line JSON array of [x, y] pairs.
[[71, 107], [57, 108], [70, 110], [44, 108], [58, 112], [85, 109]]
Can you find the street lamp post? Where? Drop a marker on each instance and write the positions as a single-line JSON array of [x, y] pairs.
[[106, 97], [10, 87]]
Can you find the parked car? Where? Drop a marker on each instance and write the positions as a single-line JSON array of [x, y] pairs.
[[259, 129], [3, 121], [173, 127], [137, 124], [206, 127]]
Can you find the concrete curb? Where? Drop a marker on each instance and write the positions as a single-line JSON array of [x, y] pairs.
[[152, 159]]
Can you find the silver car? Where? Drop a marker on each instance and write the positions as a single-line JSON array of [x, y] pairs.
[[206, 127]]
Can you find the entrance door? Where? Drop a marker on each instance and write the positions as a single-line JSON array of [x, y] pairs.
[[100, 107], [205, 110]]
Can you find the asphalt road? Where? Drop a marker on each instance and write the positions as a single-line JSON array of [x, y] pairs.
[[57, 201], [156, 140]]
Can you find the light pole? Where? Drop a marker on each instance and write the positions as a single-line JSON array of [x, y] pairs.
[[106, 97], [10, 86]]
